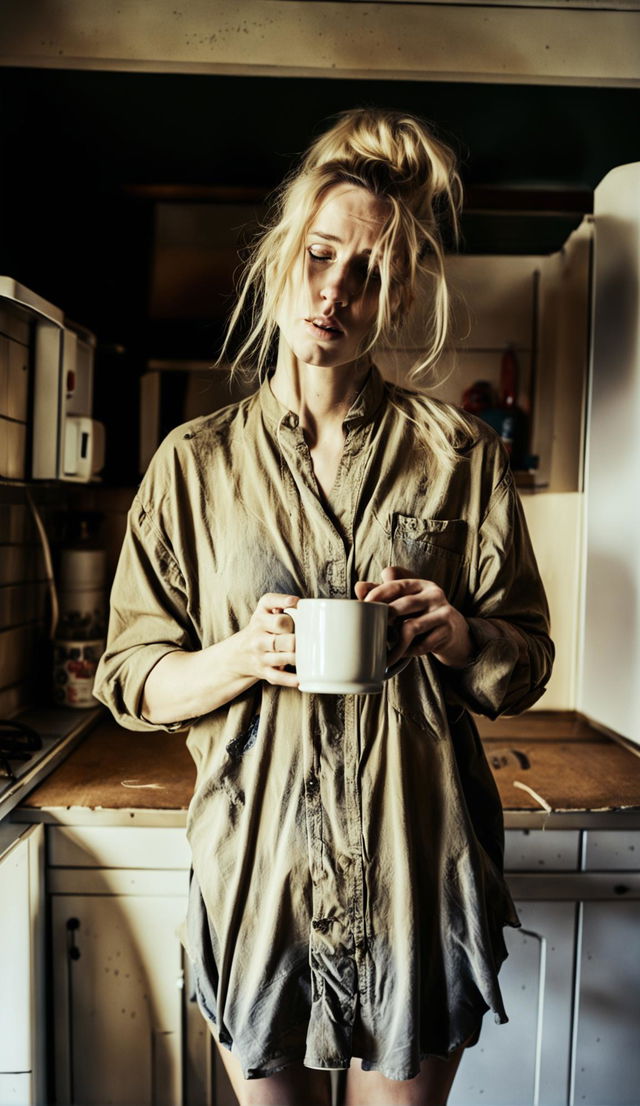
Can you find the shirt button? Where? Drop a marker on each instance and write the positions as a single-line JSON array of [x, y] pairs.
[[313, 786]]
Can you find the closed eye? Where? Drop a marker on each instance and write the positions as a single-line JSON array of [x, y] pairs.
[[318, 256]]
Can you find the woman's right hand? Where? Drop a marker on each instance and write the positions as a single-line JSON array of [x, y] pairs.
[[267, 644], [184, 685]]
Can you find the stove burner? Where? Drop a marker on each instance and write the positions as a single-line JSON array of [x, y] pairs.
[[17, 742]]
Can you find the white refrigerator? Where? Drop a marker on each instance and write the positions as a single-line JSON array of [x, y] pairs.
[[609, 684]]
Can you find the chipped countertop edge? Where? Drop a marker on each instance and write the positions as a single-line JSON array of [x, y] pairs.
[[514, 818]]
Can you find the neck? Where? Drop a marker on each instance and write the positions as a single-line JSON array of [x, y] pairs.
[[321, 397]]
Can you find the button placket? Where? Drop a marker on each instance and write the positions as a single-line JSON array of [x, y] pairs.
[[337, 577], [356, 878], [313, 805]]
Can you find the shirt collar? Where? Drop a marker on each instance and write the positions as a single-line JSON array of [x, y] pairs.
[[362, 409]]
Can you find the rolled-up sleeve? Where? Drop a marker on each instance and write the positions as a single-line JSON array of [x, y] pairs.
[[508, 616], [149, 618]]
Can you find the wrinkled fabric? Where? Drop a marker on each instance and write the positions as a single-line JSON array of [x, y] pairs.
[[347, 895]]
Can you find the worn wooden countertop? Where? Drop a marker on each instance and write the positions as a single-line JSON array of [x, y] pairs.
[[545, 763]]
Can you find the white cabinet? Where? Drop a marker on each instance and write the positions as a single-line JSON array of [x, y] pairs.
[[22, 1066], [527, 1061], [571, 984], [125, 1031], [607, 1012]]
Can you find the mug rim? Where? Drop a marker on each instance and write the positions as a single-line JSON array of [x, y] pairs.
[[337, 599]]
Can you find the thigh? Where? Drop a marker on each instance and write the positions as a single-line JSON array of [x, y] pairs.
[[430, 1088], [292, 1086]]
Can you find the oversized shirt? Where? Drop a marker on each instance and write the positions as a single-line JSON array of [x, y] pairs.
[[347, 895]]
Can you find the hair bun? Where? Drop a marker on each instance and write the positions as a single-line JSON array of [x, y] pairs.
[[394, 152]]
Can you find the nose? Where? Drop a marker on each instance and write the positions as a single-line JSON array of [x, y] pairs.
[[335, 291]]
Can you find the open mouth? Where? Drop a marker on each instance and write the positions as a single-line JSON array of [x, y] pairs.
[[326, 327]]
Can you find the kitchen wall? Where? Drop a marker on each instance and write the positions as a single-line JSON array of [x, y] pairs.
[[24, 607]]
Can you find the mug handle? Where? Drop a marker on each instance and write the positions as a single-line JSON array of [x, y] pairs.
[[397, 667], [399, 664]]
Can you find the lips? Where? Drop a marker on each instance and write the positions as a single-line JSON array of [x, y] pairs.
[[327, 326]]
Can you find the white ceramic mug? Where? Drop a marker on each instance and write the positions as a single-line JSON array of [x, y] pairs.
[[341, 645]]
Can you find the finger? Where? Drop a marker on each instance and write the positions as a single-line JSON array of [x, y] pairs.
[[395, 572], [428, 600], [363, 587], [413, 642], [278, 660], [279, 624], [283, 643], [274, 601], [282, 678], [428, 643], [393, 589]]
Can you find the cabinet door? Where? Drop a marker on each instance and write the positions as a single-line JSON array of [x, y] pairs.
[[21, 950], [15, 961], [607, 1058], [118, 1001], [526, 1062]]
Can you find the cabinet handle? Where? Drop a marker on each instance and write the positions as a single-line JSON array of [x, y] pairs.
[[621, 889], [72, 925]]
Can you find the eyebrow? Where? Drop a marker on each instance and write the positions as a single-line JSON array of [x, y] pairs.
[[331, 238]]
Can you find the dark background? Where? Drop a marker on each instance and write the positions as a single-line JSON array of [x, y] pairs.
[[86, 155]]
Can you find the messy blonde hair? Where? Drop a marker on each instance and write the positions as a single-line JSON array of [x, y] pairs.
[[395, 157]]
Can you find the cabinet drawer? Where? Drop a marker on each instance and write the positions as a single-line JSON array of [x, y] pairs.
[[531, 850], [117, 847], [611, 850], [16, 1088]]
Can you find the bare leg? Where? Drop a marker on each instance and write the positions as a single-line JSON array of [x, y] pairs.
[[295, 1085], [430, 1088]]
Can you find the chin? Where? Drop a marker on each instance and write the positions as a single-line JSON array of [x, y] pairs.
[[319, 358]]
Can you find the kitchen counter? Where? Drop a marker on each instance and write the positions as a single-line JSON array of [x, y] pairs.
[[552, 770]]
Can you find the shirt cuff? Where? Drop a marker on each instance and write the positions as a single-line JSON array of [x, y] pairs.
[[121, 691], [482, 684]]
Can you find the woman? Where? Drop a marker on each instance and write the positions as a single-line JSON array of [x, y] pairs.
[[347, 899]]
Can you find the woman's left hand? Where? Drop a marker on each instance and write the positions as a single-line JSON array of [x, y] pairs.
[[425, 620]]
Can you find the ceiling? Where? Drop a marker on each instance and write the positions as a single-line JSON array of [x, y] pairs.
[[88, 155]]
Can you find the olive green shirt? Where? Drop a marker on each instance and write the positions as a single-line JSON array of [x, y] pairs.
[[347, 896]]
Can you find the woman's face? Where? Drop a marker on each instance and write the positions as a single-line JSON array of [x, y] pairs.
[[330, 306]]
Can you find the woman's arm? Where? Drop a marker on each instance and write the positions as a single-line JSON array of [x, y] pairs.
[[186, 685], [154, 672]]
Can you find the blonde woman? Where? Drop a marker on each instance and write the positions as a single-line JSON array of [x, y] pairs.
[[347, 900]]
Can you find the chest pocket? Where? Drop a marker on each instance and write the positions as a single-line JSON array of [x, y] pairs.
[[433, 549]]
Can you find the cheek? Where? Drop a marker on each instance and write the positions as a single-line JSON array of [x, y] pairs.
[[290, 305], [369, 310]]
